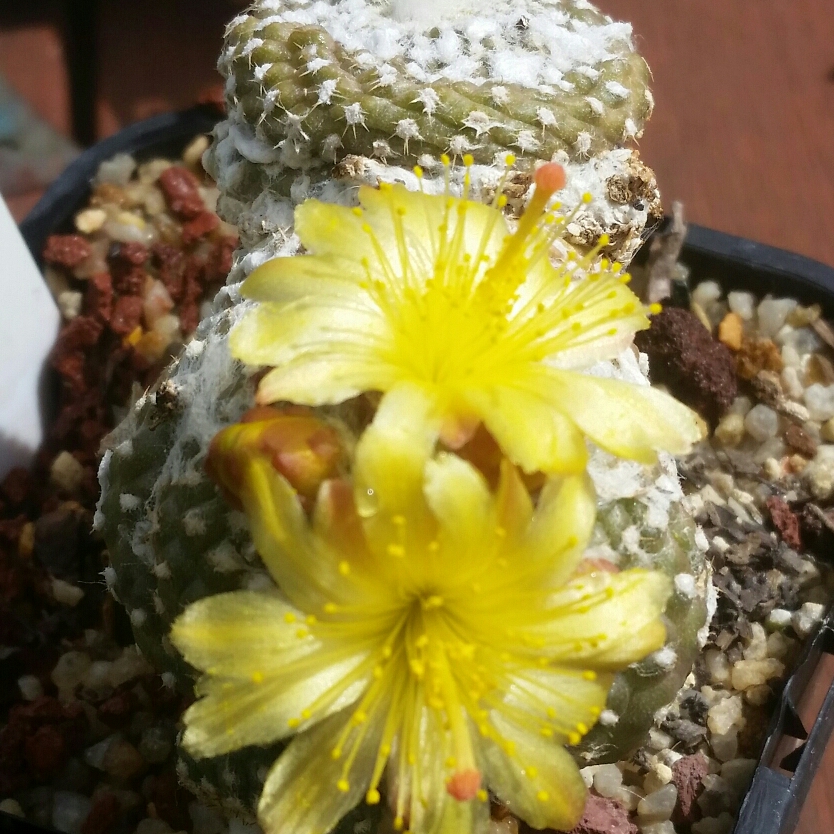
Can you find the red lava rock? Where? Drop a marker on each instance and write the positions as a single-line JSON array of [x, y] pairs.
[[222, 262], [683, 356], [71, 367], [170, 800], [98, 301], [180, 188], [46, 751], [80, 332], [133, 253], [103, 815], [129, 280], [116, 710], [14, 775], [189, 311], [604, 816], [127, 313], [170, 262], [785, 520], [66, 250], [800, 441], [687, 776], [200, 226], [17, 486]]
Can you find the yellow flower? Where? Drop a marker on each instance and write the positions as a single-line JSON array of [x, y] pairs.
[[430, 293], [430, 640]]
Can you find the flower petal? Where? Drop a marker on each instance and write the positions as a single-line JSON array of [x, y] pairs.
[[321, 351], [459, 499], [605, 620], [282, 280], [540, 782], [533, 434], [388, 472], [262, 674], [301, 793], [630, 421], [562, 525], [327, 229]]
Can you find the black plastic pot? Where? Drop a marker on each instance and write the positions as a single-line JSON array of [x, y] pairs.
[[775, 798]]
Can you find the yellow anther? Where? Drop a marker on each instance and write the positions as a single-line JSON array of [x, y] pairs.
[[587, 197], [482, 795], [301, 633], [344, 568], [293, 723], [360, 717], [589, 675], [434, 546], [444, 158], [343, 785], [434, 601], [604, 239], [422, 641], [625, 278], [417, 667], [546, 732], [595, 711], [655, 308], [306, 714], [398, 519], [336, 753], [257, 677], [385, 186], [451, 761], [386, 652], [310, 619], [532, 772], [418, 172], [582, 728], [372, 796], [574, 738], [502, 201], [509, 160], [551, 713], [330, 608], [289, 617], [357, 211], [542, 796], [396, 550], [468, 160], [377, 672]]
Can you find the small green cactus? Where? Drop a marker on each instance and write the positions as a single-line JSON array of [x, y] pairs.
[[562, 78]]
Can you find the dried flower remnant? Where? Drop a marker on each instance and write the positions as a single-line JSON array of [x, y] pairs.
[[394, 673], [430, 294]]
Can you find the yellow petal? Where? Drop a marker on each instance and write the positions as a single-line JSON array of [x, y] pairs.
[[513, 507], [533, 434], [307, 573], [554, 699], [459, 499], [630, 421], [302, 794], [321, 351], [605, 620], [261, 674], [554, 797], [562, 525], [282, 280], [388, 472], [327, 229], [472, 229]]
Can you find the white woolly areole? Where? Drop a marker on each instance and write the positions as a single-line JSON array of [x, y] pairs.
[[527, 42]]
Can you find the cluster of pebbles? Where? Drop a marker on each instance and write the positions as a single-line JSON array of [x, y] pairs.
[[87, 743]]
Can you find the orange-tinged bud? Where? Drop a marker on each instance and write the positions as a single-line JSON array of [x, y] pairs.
[[303, 448], [587, 566], [550, 178]]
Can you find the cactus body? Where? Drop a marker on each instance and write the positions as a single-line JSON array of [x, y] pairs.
[[326, 96]]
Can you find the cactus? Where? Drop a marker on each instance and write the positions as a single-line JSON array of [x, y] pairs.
[[171, 536], [315, 92]]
